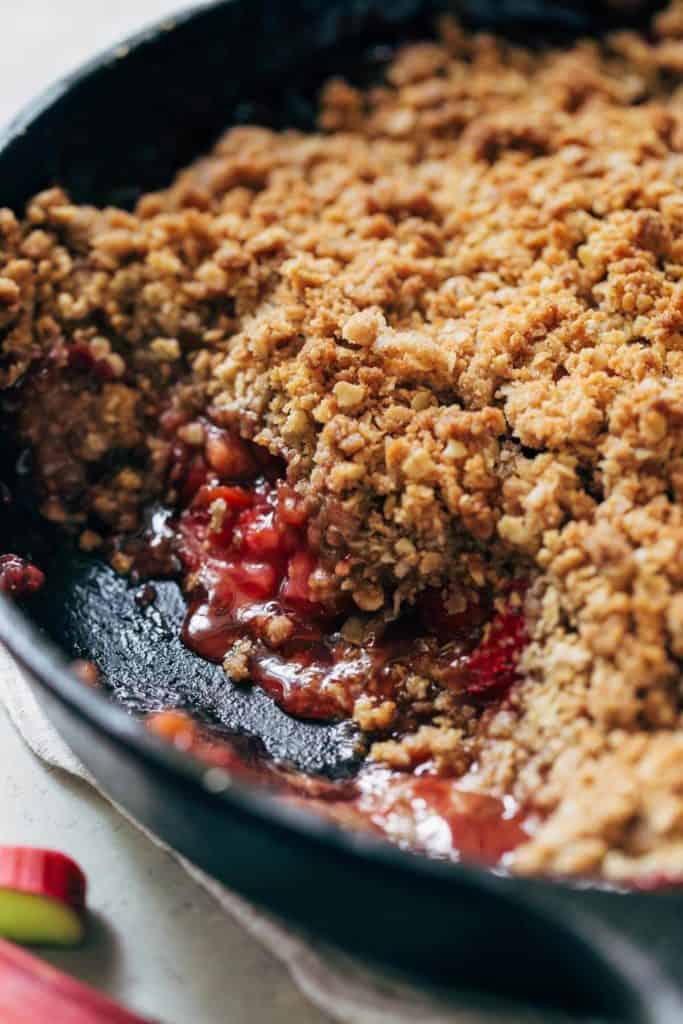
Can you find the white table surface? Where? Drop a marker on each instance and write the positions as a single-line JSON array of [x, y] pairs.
[[156, 941]]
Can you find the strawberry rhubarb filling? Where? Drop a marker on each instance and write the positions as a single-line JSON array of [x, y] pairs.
[[249, 564], [421, 811], [18, 576], [250, 570]]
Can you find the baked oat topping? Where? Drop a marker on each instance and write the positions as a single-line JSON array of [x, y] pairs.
[[455, 315]]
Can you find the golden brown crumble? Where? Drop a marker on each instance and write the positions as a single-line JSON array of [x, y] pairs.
[[236, 664], [456, 312]]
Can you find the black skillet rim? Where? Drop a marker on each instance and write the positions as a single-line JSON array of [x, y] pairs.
[[48, 666]]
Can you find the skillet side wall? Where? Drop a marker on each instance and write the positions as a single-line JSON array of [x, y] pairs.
[[448, 930]]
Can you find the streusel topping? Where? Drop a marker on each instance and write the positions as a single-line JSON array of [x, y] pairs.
[[456, 312]]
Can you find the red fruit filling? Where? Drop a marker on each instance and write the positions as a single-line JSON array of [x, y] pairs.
[[249, 560], [492, 667], [248, 548], [81, 358], [419, 812], [490, 670], [244, 544], [431, 814], [19, 577]]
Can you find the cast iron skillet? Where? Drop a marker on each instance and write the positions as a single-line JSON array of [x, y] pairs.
[[121, 126]]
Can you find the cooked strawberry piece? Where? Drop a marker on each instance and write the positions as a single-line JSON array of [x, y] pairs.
[[492, 667], [295, 587], [246, 544], [259, 577], [260, 535], [19, 577], [188, 470], [264, 534], [291, 509]]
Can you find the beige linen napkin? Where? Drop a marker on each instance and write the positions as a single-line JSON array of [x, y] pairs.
[[340, 986]]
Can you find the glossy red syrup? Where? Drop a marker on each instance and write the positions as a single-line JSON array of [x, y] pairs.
[[251, 564], [251, 572], [431, 814]]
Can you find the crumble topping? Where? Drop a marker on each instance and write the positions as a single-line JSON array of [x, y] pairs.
[[455, 312]]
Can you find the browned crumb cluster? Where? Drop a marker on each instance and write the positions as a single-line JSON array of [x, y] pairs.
[[457, 313]]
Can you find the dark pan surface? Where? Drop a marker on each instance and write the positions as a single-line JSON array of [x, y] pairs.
[[121, 128], [90, 612], [147, 667]]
